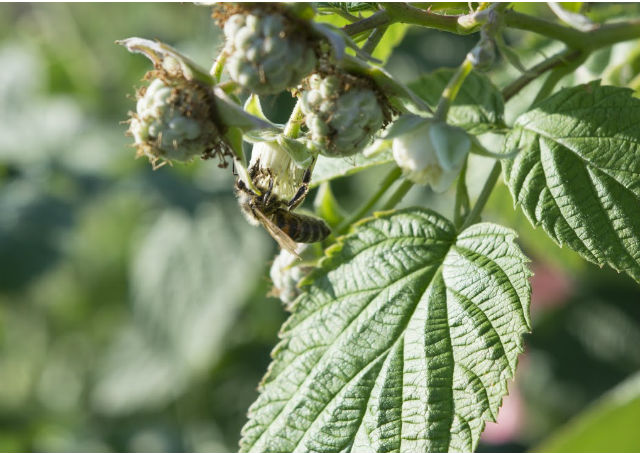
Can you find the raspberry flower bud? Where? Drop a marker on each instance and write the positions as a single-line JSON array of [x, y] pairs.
[[342, 113], [173, 120], [265, 52], [286, 272], [432, 153]]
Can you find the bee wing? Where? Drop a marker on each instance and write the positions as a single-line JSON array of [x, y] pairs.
[[276, 233]]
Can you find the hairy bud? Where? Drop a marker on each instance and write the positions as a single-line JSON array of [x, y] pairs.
[[341, 112], [173, 120], [265, 52]]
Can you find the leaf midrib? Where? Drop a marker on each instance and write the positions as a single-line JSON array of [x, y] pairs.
[[337, 337]]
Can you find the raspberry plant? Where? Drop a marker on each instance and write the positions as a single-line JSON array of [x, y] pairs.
[[406, 325]]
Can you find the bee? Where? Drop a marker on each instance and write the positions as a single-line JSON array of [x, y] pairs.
[[276, 215]]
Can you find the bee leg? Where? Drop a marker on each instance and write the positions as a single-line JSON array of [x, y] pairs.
[[303, 190], [267, 194]]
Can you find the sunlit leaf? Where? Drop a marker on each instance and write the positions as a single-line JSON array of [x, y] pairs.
[[405, 341], [578, 174]]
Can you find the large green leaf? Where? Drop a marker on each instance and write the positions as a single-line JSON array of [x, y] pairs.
[[403, 342], [611, 424], [478, 107], [578, 174]]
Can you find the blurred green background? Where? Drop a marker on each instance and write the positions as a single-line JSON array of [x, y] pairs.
[[133, 314]]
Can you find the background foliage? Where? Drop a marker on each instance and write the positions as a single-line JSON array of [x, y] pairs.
[[132, 307]]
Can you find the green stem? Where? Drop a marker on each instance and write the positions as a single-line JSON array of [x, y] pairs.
[[557, 74], [570, 36], [374, 39], [397, 196], [593, 39], [464, 24], [376, 20], [292, 129], [387, 182], [461, 207], [407, 14], [564, 57], [489, 184], [451, 90]]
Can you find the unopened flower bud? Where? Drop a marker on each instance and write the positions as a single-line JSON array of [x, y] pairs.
[[341, 112], [483, 55], [173, 120], [266, 53], [432, 153], [286, 272]]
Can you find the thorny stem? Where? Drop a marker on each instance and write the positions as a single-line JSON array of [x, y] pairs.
[[292, 129], [397, 196], [407, 14], [387, 182]]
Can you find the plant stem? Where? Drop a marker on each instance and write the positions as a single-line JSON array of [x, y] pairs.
[[292, 129], [570, 36], [376, 20], [558, 59], [557, 74], [387, 182], [489, 184], [407, 14], [374, 39], [461, 207], [594, 39], [397, 196], [451, 90]]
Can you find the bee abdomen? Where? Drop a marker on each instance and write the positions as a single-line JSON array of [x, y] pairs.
[[302, 228], [310, 229]]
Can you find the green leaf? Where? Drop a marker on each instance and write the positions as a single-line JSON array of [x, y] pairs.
[[404, 341], [326, 206], [183, 314], [578, 175], [328, 168], [611, 424], [478, 107]]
